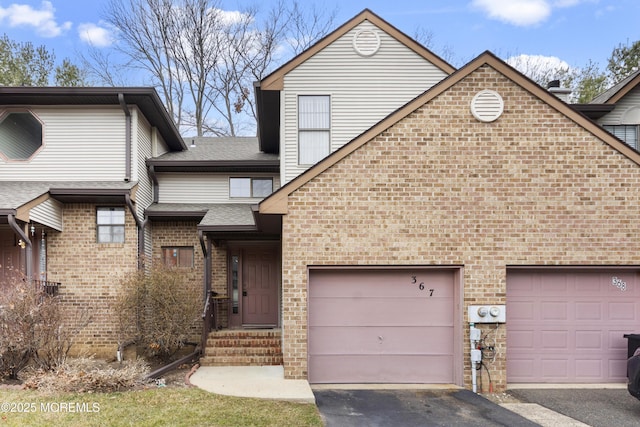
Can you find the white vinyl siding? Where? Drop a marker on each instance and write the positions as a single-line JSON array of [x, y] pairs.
[[79, 144], [48, 213], [314, 127], [203, 188], [624, 120], [363, 90], [617, 117]]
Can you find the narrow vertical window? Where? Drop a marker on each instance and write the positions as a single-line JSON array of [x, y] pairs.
[[235, 261], [314, 126], [110, 222]]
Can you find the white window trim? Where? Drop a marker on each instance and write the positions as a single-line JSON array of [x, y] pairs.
[[324, 130]]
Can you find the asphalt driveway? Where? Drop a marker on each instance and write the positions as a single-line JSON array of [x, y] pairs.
[[405, 408], [594, 407]]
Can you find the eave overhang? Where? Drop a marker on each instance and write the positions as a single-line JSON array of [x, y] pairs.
[[145, 98]]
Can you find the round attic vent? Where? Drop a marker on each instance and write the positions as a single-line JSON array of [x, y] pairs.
[[366, 42], [487, 106]]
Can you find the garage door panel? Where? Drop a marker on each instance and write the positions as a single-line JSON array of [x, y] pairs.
[[381, 369], [380, 311], [380, 283], [588, 340], [381, 326], [383, 340], [622, 311], [574, 328]]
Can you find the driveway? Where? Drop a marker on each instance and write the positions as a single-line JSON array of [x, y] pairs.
[[594, 407], [428, 408]]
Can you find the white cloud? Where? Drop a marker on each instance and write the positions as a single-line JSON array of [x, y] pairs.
[[517, 12], [539, 68], [42, 20], [521, 13], [95, 35]]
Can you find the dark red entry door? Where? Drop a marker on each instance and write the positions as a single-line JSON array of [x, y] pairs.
[[260, 287]]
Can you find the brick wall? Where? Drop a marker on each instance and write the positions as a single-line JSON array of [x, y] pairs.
[[184, 234], [89, 273], [441, 188]]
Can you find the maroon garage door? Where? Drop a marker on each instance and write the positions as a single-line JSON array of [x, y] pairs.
[[568, 326], [381, 326]]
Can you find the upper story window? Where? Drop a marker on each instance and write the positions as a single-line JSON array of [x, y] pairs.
[[314, 127], [110, 223], [20, 135], [178, 256], [250, 187], [627, 133]]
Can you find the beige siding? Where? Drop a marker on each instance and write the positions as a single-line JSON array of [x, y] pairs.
[[48, 213], [203, 188], [363, 90], [616, 117], [140, 152], [158, 145], [80, 144]]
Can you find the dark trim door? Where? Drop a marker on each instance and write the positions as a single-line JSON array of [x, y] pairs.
[[254, 283]]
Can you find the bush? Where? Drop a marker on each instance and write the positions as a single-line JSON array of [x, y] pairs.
[[32, 327], [19, 316], [88, 375], [157, 309]]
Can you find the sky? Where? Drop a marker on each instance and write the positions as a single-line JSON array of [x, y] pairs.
[[574, 31]]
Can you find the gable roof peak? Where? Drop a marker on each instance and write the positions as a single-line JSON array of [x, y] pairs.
[[275, 80]]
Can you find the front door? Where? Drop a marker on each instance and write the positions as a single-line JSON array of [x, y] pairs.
[[255, 272]]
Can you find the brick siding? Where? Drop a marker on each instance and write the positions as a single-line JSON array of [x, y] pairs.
[[441, 188], [89, 273]]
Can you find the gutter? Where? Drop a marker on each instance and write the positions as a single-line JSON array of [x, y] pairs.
[[127, 113], [29, 250]]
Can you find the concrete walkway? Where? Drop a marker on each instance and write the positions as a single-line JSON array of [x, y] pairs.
[[263, 382]]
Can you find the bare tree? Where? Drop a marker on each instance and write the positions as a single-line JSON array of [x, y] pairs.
[[204, 60]]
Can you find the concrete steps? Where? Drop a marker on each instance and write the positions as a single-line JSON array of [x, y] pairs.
[[259, 347]]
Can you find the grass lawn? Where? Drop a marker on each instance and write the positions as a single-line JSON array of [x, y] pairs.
[[153, 407]]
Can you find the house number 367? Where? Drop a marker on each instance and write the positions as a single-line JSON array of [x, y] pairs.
[[421, 286]]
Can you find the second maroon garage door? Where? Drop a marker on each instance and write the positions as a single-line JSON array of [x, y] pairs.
[[381, 326], [568, 325]]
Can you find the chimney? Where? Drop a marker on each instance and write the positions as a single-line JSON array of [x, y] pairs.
[[562, 93]]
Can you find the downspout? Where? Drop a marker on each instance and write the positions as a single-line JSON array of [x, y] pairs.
[[141, 227], [207, 263], [29, 261], [127, 113], [156, 186]]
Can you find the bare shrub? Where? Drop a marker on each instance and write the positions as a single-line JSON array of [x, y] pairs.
[[88, 375], [33, 327], [19, 316], [56, 332], [159, 309]]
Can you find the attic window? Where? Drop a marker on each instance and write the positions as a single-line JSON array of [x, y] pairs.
[[366, 42], [20, 135], [487, 106]]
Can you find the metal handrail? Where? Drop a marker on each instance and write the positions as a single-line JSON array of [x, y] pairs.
[[206, 322], [49, 288]]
